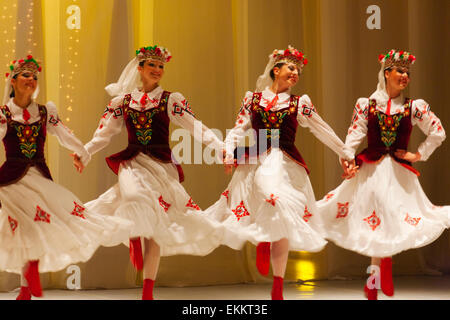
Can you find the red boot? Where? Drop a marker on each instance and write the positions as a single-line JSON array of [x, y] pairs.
[[371, 294], [277, 288], [387, 286], [147, 290], [263, 257], [32, 277], [136, 253], [24, 294]]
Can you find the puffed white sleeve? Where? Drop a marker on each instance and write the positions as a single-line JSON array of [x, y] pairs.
[[181, 114], [430, 125], [64, 135], [307, 116], [242, 124], [358, 126], [110, 124], [3, 125]]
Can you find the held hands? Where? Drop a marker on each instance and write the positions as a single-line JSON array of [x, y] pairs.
[[228, 163], [350, 168], [77, 162], [408, 156]]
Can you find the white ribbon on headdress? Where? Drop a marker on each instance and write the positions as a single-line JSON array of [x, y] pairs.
[[265, 80], [128, 81], [381, 94], [8, 90]]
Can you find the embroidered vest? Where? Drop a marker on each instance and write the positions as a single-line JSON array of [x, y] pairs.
[[24, 147], [280, 128], [386, 134], [148, 132]]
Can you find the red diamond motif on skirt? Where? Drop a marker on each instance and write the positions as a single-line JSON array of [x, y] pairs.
[[373, 220], [307, 214], [41, 215], [412, 221], [13, 224], [225, 193], [164, 204], [78, 210], [272, 199], [342, 210], [240, 211], [192, 204]]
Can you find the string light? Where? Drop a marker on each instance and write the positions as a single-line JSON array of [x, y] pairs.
[[72, 61]]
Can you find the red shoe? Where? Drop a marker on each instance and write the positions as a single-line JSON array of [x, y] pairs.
[[32, 277], [24, 294], [136, 254], [263, 257], [147, 290], [387, 286], [371, 294], [277, 288]]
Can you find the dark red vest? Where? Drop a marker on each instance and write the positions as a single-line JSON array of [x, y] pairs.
[[24, 147], [148, 132], [386, 134], [284, 121]]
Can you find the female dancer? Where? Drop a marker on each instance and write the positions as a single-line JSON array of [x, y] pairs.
[[271, 202], [383, 209], [43, 226], [149, 191]]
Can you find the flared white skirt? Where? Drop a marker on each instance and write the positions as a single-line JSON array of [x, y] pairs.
[[41, 220], [382, 211], [271, 200], [149, 193]]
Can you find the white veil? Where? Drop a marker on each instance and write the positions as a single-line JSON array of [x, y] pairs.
[[128, 81]]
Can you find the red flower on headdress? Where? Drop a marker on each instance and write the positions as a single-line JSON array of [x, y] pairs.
[[400, 53], [39, 69], [168, 58], [305, 61], [7, 75], [21, 61], [380, 57], [14, 61], [411, 58], [142, 50], [29, 57]]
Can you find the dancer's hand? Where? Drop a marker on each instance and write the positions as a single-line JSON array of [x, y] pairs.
[[408, 156], [229, 162], [77, 162], [350, 168]]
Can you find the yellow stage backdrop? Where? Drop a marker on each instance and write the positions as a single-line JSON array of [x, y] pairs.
[[219, 49]]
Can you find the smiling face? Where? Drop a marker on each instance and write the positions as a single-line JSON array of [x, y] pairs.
[[286, 75], [24, 84], [151, 72], [397, 78]]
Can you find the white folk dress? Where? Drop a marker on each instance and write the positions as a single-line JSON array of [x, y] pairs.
[[273, 198], [148, 191], [383, 209], [40, 219]]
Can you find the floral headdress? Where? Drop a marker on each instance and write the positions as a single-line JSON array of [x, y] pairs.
[[154, 53], [394, 58], [290, 55], [27, 64], [397, 59], [17, 66], [130, 78]]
